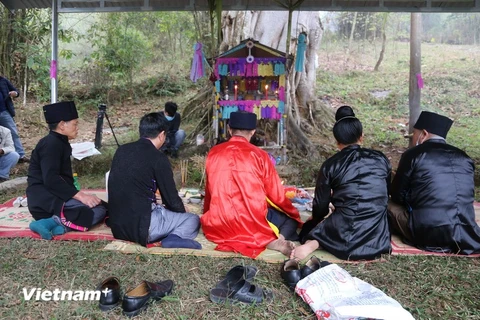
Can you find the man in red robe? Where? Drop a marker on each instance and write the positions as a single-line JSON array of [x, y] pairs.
[[245, 208]]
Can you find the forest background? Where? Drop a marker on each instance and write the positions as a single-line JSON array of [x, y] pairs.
[[135, 62]]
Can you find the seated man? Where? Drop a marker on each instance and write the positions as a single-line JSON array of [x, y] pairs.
[[53, 199], [432, 192], [175, 136], [8, 156], [245, 208], [138, 170], [355, 181]]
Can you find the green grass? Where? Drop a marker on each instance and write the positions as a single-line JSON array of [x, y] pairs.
[[429, 287], [451, 75]]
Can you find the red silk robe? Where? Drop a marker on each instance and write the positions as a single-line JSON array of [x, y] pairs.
[[241, 183]]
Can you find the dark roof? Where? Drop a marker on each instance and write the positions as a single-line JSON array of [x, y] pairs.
[[241, 5], [258, 50]]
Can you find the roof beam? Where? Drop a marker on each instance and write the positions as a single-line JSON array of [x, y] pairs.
[[65, 6]]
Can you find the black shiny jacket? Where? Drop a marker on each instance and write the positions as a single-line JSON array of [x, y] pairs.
[[435, 182], [356, 182]]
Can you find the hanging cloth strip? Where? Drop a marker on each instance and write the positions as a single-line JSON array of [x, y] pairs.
[[281, 107], [217, 86], [227, 110], [223, 69], [281, 93], [215, 70], [301, 48], [257, 111], [269, 69], [279, 69], [197, 71]]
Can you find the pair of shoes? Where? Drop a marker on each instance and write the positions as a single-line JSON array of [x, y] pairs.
[[236, 287], [135, 300], [23, 159], [20, 202], [292, 273]]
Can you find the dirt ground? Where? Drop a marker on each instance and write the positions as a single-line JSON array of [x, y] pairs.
[[123, 117]]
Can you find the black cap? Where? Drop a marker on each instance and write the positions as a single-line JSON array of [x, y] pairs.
[[60, 111], [433, 123], [243, 120]]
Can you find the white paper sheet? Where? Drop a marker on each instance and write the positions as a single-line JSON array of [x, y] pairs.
[[82, 150]]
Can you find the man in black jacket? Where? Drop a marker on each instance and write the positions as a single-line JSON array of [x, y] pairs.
[[7, 112], [54, 202], [433, 192], [138, 170], [175, 135]]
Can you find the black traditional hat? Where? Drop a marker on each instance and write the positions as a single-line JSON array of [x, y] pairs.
[[60, 111], [243, 120], [433, 123]]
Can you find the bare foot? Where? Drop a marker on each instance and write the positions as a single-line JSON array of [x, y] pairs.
[[284, 246]]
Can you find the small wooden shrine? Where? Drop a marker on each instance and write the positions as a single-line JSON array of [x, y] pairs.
[[251, 77]]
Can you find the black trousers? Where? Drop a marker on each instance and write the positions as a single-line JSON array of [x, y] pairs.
[[286, 225]]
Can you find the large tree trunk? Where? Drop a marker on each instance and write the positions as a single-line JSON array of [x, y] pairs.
[[352, 33], [270, 28], [384, 42]]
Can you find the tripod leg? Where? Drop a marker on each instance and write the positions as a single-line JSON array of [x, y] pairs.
[[99, 129], [111, 128]]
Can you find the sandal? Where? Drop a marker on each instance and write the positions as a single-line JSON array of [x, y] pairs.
[[242, 291], [237, 274]]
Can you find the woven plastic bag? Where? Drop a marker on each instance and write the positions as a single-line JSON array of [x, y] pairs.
[[333, 294]]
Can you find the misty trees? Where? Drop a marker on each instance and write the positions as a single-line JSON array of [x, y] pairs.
[[25, 47]]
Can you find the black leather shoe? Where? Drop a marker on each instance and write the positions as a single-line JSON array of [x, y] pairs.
[[136, 300], [160, 289], [312, 265], [291, 273], [110, 293]]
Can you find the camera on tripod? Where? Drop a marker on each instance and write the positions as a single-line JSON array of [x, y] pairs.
[[102, 113]]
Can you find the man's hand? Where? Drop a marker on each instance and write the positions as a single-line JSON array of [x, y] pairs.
[[331, 208], [89, 200], [13, 94]]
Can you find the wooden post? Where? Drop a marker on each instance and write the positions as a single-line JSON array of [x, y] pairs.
[[415, 69]]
